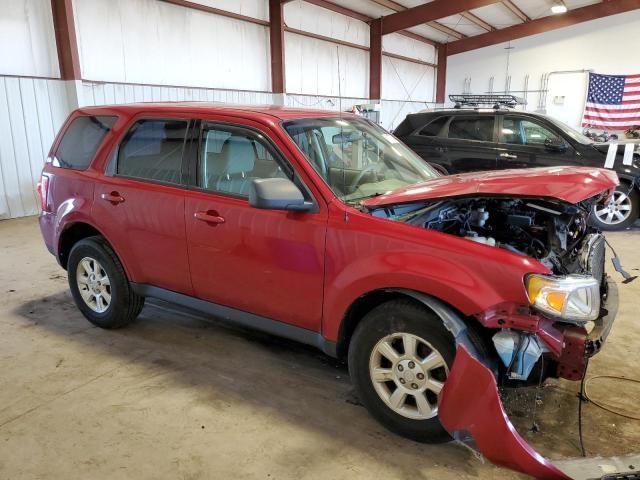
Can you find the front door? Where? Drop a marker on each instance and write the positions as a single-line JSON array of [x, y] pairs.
[[526, 143], [140, 206], [266, 262]]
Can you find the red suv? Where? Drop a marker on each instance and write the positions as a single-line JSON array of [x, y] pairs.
[[326, 229]]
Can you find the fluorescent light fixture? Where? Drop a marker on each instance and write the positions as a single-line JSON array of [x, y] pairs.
[[558, 8]]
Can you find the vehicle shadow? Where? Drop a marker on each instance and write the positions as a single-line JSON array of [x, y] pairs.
[[226, 365]]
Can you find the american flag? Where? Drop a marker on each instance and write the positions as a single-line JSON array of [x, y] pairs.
[[613, 102]]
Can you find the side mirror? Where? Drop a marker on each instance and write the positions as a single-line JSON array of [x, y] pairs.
[[277, 194], [556, 145]]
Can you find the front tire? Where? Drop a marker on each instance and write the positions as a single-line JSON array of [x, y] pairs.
[[99, 285], [620, 212], [399, 358]]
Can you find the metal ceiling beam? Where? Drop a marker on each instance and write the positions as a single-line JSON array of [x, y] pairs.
[[441, 27], [396, 7], [515, 10], [545, 24], [429, 12], [478, 21], [419, 38], [334, 7]]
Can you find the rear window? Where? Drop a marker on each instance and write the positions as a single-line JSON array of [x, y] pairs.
[[472, 128], [81, 141], [152, 150]]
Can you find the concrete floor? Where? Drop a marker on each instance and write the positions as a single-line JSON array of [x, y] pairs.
[[173, 396]]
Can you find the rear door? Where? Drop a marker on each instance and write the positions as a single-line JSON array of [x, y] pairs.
[[139, 204], [526, 142], [469, 143], [266, 262]]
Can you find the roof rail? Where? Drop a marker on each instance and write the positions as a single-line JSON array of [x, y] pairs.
[[468, 100]]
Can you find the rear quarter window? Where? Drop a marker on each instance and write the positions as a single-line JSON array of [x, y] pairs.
[[81, 141], [434, 128]]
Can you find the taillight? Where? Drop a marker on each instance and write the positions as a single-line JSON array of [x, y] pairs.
[[43, 192]]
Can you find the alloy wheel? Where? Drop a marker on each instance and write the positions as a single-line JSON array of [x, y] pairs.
[[616, 210], [408, 374], [94, 284]]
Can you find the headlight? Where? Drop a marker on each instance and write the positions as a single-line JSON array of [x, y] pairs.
[[572, 297]]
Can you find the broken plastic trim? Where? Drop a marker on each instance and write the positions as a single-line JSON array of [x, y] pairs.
[[470, 403]]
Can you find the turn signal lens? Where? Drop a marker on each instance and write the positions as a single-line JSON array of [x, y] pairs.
[[571, 297], [556, 300]]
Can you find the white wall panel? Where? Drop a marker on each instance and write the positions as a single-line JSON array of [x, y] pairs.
[[312, 67], [401, 45], [27, 40], [323, 102], [31, 112], [584, 46], [147, 41], [402, 80], [310, 18]]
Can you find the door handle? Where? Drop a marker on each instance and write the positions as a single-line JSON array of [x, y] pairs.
[[209, 216], [508, 155], [114, 198]]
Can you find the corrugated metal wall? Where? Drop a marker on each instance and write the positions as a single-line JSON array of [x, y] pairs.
[[31, 112], [95, 93], [135, 50]]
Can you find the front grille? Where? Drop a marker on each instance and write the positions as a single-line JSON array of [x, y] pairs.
[[592, 256]]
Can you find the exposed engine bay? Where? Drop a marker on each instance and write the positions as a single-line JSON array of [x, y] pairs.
[[554, 232]]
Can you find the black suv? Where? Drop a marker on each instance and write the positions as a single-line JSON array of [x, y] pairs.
[[469, 138]]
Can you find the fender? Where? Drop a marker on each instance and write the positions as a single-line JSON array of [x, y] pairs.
[[467, 288], [74, 211]]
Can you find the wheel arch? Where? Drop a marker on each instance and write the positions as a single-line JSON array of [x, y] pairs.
[[456, 322], [73, 233]]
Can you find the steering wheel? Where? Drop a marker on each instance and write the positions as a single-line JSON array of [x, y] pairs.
[[360, 176]]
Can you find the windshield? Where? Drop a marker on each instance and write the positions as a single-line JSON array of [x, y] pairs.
[[356, 158], [572, 132]]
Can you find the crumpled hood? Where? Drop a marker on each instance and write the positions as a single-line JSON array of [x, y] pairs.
[[571, 184]]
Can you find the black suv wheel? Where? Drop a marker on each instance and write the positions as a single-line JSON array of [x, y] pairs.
[[620, 212]]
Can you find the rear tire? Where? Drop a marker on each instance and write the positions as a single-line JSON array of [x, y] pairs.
[[99, 285], [401, 392], [618, 214]]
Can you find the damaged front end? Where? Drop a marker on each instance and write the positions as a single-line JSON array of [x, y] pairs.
[[471, 410], [568, 316]]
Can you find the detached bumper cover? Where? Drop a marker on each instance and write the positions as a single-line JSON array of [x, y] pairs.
[[470, 403]]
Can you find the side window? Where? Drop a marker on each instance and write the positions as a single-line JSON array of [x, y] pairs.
[[152, 150], [231, 158], [472, 128], [81, 141], [519, 131], [434, 128]]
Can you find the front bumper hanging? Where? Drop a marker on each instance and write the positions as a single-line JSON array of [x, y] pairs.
[[470, 408]]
